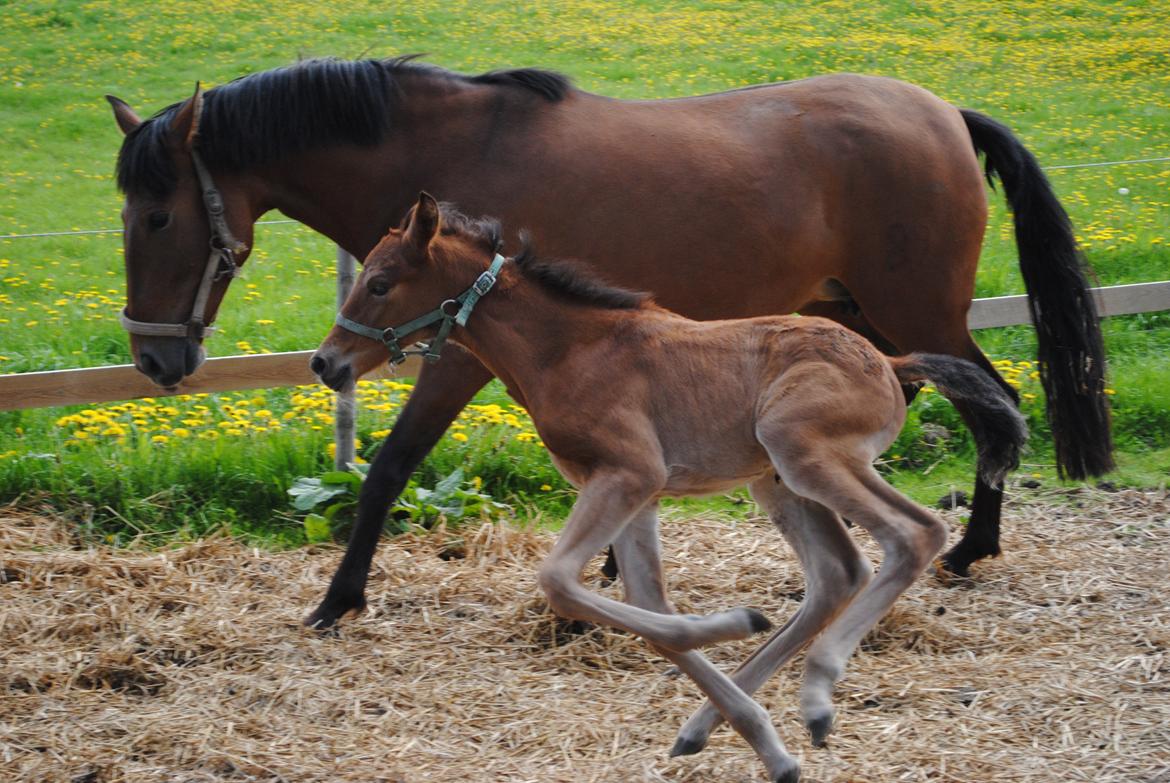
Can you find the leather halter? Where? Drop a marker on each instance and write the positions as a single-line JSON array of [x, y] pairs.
[[450, 312], [221, 263]]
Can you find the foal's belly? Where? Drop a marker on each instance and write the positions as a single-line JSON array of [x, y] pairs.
[[690, 480]]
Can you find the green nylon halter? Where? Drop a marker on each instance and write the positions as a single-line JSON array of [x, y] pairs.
[[462, 305]]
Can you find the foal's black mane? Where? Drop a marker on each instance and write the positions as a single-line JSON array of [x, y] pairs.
[[571, 280], [265, 116]]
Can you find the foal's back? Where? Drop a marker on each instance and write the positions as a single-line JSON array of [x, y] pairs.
[[701, 391]]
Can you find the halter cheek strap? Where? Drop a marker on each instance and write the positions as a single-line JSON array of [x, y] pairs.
[[447, 315], [221, 263]]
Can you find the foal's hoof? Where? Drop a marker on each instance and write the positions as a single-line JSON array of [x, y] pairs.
[[687, 746], [758, 622], [820, 726], [789, 775], [331, 611]]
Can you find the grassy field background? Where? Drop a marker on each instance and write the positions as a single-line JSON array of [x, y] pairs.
[[1079, 82]]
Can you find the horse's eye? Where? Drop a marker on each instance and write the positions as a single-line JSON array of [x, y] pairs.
[[378, 288], [157, 221]]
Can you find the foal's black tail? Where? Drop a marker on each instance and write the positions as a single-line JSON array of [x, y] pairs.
[[1070, 350], [999, 428]]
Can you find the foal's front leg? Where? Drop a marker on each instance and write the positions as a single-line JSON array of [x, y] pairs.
[[639, 556], [604, 507]]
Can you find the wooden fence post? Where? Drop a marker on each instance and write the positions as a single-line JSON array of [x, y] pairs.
[[345, 416]]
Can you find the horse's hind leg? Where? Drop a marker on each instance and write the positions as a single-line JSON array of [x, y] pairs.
[[981, 536], [835, 571], [639, 556], [910, 537]]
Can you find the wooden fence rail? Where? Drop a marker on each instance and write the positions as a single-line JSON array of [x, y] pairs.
[[233, 373]]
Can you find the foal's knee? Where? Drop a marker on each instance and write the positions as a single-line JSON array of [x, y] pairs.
[[855, 573]]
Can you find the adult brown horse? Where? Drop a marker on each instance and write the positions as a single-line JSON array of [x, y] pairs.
[[854, 197]]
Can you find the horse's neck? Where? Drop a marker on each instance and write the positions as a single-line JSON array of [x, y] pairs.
[[354, 194]]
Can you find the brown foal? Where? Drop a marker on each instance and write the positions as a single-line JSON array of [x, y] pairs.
[[636, 403]]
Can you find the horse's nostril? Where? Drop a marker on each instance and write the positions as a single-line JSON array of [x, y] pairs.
[[318, 365], [150, 365]]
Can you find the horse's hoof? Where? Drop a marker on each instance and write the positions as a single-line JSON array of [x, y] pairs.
[[326, 616], [951, 572], [685, 746], [819, 728]]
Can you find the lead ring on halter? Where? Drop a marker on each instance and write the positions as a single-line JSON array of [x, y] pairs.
[[221, 263]]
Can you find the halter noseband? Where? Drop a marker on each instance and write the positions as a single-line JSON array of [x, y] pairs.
[[221, 263], [450, 312]]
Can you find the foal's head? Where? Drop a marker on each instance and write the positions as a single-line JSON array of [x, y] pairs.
[[421, 265]]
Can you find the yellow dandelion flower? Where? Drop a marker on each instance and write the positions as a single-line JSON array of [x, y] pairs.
[[459, 436]]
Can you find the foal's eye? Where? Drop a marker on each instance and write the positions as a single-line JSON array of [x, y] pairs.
[[378, 288], [157, 221]]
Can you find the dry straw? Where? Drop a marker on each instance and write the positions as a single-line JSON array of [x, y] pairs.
[[189, 664]]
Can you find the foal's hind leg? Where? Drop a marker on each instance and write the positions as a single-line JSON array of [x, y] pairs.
[[910, 537], [935, 322], [638, 554], [835, 571]]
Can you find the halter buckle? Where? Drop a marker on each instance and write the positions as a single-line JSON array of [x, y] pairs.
[[484, 283]]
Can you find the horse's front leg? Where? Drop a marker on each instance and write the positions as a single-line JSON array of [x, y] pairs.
[[442, 391], [604, 507]]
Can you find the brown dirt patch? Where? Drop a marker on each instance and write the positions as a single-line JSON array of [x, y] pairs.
[[190, 664]]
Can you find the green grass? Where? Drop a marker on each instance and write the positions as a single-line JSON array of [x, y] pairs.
[[1077, 81]]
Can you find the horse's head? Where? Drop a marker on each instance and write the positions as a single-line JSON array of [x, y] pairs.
[[182, 243], [414, 285]]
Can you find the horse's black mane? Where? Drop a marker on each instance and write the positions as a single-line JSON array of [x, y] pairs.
[[268, 115], [571, 280]]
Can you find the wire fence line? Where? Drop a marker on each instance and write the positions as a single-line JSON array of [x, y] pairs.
[[1106, 163], [81, 232]]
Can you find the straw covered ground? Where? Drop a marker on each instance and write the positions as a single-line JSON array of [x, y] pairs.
[[189, 664]]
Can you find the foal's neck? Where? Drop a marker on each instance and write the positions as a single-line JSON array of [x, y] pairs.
[[520, 331]]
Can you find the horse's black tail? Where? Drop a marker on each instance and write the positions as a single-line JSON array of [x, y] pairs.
[[998, 426], [1070, 350]]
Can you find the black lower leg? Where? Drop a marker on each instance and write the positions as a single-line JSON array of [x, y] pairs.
[[442, 391], [981, 538]]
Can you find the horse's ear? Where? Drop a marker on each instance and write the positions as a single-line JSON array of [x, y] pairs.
[[125, 117], [424, 223], [185, 125]]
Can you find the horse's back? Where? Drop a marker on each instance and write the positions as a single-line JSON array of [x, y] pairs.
[[841, 176]]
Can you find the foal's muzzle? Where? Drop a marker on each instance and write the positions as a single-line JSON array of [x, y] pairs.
[[335, 373]]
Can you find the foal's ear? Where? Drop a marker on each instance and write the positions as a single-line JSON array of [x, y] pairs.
[[424, 223], [185, 125], [125, 117]]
